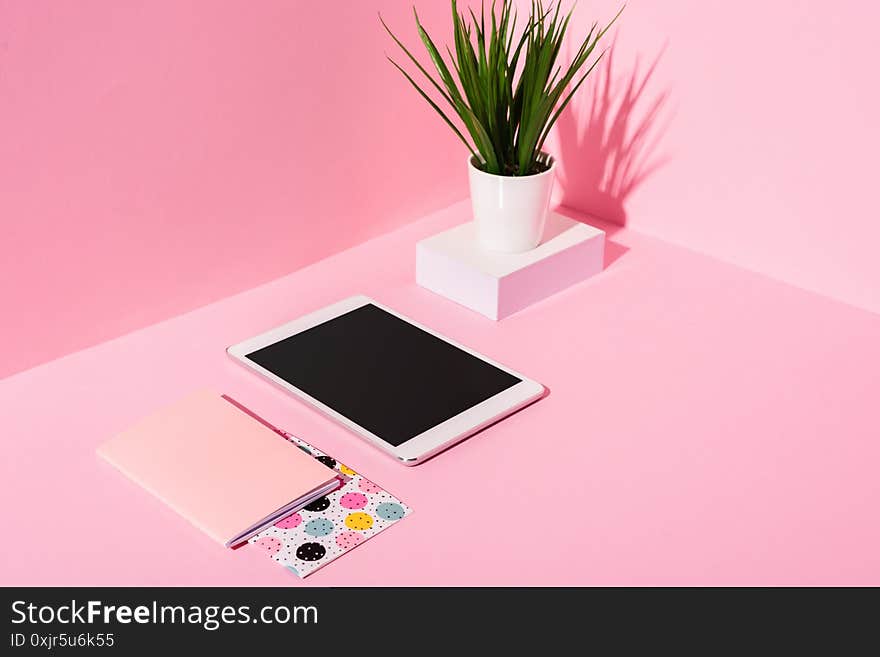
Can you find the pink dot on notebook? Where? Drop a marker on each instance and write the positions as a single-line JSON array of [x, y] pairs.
[[353, 500], [269, 543], [289, 522], [369, 487], [347, 540]]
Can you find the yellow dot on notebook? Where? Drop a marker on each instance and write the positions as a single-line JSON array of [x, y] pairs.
[[344, 469], [359, 520]]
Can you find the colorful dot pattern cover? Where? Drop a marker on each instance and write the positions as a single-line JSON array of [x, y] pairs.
[[332, 525]]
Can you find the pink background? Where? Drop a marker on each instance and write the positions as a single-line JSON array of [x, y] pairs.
[[160, 155], [706, 423]]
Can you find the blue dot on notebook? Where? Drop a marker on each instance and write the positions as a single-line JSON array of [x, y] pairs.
[[389, 511], [319, 527]]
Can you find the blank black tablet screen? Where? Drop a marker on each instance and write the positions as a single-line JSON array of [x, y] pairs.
[[383, 373]]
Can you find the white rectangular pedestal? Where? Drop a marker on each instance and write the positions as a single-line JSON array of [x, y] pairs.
[[453, 264]]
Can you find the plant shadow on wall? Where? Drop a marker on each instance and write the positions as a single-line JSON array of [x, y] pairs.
[[608, 144]]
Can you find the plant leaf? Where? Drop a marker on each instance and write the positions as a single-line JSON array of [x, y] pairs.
[[504, 83]]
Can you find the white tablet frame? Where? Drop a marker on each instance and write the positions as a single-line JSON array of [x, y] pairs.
[[420, 447]]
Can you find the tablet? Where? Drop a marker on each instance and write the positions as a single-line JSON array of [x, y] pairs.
[[403, 387]]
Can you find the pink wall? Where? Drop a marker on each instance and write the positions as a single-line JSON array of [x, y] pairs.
[[159, 155], [766, 135]]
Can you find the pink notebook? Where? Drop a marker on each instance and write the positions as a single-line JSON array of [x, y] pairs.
[[219, 468]]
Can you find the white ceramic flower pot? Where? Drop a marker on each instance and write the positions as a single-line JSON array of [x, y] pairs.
[[510, 211]]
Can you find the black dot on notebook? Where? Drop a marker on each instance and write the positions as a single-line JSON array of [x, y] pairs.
[[318, 505], [310, 552], [328, 461]]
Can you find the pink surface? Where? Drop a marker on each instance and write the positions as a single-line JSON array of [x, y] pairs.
[[714, 426], [157, 156], [754, 139]]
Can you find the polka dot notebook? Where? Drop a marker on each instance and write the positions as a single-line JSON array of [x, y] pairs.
[[332, 525]]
